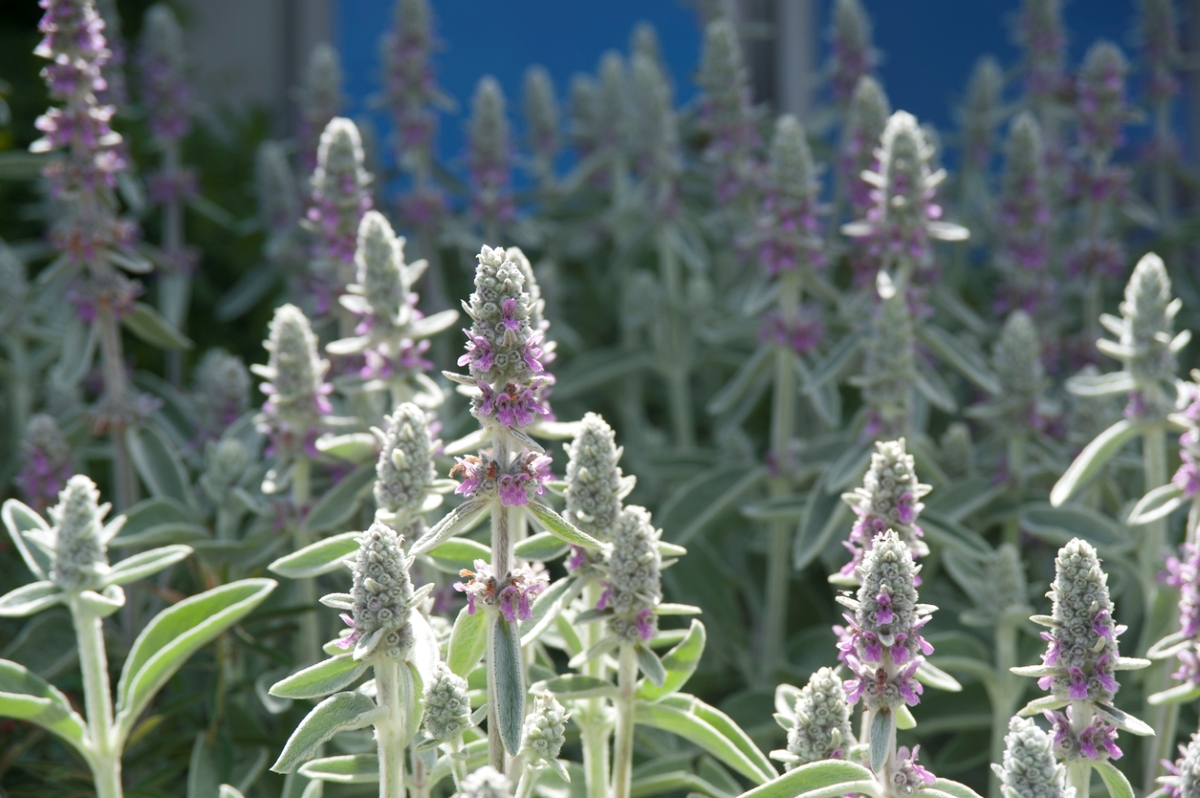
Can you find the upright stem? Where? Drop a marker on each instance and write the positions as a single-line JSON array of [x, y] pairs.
[[1164, 199], [1164, 718], [116, 394], [528, 780], [1015, 461], [622, 780], [677, 356], [93, 662], [593, 721], [22, 381], [1079, 771], [309, 643], [1006, 694], [174, 302], [394, 689]]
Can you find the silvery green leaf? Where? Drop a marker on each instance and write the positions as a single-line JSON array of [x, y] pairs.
[[1061, 524], [933, 676], [159, 463], [338, 601], [28, 599], [470, 442], [509, 687], [576, 686], [561, 527], [904, 718], [26, 696], [601, 648], [20, 519], [145, 563], [1179, 694], [434, 324], [677, 609], [339, 712], [956, 353], [1114, 780], [105, 603], [1117, 382], [315, 681], [148, 324], [456, 520], [1158, 503], [652, 666], [202, 778], [679, 664], [547, 607], [468, 641], [829, 776], [1039, 705], [691, 719], [458, 553], [883, 727], [322, 557], [952, 789], [342, 501], [354, 447], [741, 380], [1124, 721], [837, 361], [541, 547], [229, 791]]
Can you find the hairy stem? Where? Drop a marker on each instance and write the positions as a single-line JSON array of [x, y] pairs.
[[116, 396], [622, 778], [309, 642], [677, 355], [593, 720], [93, 663], [394, 690], [502, 553], [1006, 694]]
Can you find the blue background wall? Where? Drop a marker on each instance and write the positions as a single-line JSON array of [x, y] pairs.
[[929, 46]]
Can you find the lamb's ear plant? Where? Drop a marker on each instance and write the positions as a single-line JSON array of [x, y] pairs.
[[391, 637], [68, 555], [1078, 671]]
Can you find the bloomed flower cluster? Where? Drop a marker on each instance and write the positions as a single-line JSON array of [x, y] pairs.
[[788, 233], [524, 478], [1184, 778], [504, 350], [165, 91], [1187, 477], [297, 394], [633, 587], [889, 499], [1183, 574], [513, 597], [883, 646]]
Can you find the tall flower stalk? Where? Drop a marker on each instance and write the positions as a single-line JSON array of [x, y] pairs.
[[167, 98], [92, 241]]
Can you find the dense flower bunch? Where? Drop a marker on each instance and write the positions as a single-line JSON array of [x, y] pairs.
[[382, 595], [851, 55], [633, 585], [981, 112], [905, 217], [447, 707], [220, 392], [865, 121], [652, 130], [541, 120], [889, 500], [1184, 778], [726, 111], [788, 232], [545, 729], [167, 97], [297, 394], [1183, 574], [821, 723], [340, 199], [1187, 476], [409, 87], [1029, 769], [489, 154], [392, 334], [1017, 364], [45, 462], [503, 348], [77, 541], [595, 484], [405, 471], [1023, 222], [1101, 102], [321, 102], [1040, 34], [889, 368], [884, 647]]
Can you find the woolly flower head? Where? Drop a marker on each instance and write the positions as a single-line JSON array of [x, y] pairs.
[[80, 552], [321, 98], [595, 484], [1041, 35], [584, 114], [610, 100], [904, 216], [1183, 574], [489, 151], [889, 499], [405, 470], [296, 389], [1146, 342], [788, 234], [545, 729], [1017, 361], [852, 55], [726, 110], [957, 450], [889, 371], [982, 111], [651, 128], [447, 707], [821, 726], [383, 279], [1184, 778], [226, 463], [382, 595], [1029, 769], [541, 115], [1101, 99], [487, 782], [1005, 575], [45, 461], [1159, 30], [1082, 652], [220, 390], [166, 94], [634, 584], [340, 180], [883, 646], [275, 188], [1023, 217], [503, 347], [866, 118]]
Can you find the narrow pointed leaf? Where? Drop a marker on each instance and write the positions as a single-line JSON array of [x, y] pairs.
[[351, 769], [317, 681], [509, 689], [561, 527], [577, 686], [701, 733], [1179, 694], [679, 663], [322, 557], [28, 599], [159, 463], [542, 547], [26, 696], [148, 324], [932, 676], [1158, 503], [651, 666], [813, 776], [459, 553], [457, 519], [338, 713], [146, 563], [1059, 525], [883, 725], [20, 519], [954, 789], [1093, 457], [174, 635], [1114, 780]]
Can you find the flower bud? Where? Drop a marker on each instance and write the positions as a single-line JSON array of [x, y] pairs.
[[340, 197], [296, 389], [634, 586], [1029, 768], [852, 55], [226, 463], [651, 129], [405, 467], [1101, 99], [486, 782], [822, 721], [981, 112], [545, 729], [80, 555], [45, 462], [958, 450], [788, 233], [165, 93], [1040, 34], [383, 596], [447, 707], [1017, 361], [725, 108], [220, 391], [321, 98], [490, 151], [1023, 223], [1184, 781], [594, 479], [889, 372], [866, 118], [889, 499], [1145, 332], [541, 117]]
